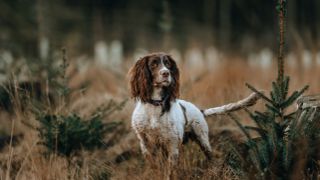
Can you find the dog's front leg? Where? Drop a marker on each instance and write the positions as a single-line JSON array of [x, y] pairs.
[[145, 149], [143, 145], [173, 158]]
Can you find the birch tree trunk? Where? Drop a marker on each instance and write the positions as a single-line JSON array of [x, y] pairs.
[[43, 30]]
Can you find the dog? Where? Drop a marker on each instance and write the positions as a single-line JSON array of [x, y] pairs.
[[160, 119]]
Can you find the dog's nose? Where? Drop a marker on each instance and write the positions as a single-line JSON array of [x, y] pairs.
[[164, 73]]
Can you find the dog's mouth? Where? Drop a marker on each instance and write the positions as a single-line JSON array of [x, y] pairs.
[[164, 82]]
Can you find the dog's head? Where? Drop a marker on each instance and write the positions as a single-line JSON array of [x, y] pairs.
[[156, 70]]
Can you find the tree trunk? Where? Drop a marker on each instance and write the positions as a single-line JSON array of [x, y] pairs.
[[317, 21], [43, 30], [225, 22], [100, 45], [208, 11], [292, 14]]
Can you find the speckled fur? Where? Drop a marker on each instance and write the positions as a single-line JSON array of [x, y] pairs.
[[168, 129], [155, 77]]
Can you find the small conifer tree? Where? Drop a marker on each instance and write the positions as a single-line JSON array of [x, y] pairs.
[[277, 152], [65, 133]]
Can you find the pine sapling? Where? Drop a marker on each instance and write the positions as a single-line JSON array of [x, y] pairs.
[[275, 152]]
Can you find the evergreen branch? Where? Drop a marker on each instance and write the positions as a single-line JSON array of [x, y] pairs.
[[290, 115], [243, 129], [285, 87], [290, 100], [259, 119], [251, 143], [295, 95], [287, 156], [273, 109], [273, 96], [262, 115], [260, 94], [259, 130], [276, 93]]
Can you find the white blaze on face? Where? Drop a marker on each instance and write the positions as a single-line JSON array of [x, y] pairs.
[[161, 75], [164, 68]]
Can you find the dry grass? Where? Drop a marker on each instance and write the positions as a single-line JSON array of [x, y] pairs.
[[212, 88]]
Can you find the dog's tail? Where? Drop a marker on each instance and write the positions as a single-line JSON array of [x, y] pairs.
[[248, 101]]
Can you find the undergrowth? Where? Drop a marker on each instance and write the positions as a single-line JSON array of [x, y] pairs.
[[64, 132]]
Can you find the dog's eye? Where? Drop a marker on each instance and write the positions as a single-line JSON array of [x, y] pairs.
[[167, 63], [154, 64]]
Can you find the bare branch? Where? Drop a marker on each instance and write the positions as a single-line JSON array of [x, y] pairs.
[[248, 101], [308, 101]]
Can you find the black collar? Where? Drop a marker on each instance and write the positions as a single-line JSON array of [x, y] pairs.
[[156, 102], [162, 102]]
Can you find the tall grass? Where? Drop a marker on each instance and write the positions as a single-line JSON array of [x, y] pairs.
[[122, 159]]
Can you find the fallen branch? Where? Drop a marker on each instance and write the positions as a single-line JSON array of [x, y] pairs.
[[305, 102], [249, 101]]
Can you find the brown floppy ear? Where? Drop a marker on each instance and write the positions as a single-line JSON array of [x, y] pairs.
[[175, 86], [141, 80]]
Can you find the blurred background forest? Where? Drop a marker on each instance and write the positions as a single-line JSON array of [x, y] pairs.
[[113, 30], [218, 45]]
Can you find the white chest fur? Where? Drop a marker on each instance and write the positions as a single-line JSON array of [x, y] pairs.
[[149, 119], [154, 128]]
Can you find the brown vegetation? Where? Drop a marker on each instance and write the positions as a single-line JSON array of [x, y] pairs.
[[123, 160]]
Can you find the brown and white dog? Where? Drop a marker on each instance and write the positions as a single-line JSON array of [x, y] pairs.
[[160, 119]]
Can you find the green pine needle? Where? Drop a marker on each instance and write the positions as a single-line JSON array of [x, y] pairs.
[[295, 95], [259, 93]]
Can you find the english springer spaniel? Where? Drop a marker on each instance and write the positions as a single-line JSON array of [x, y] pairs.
[[159, 118]]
